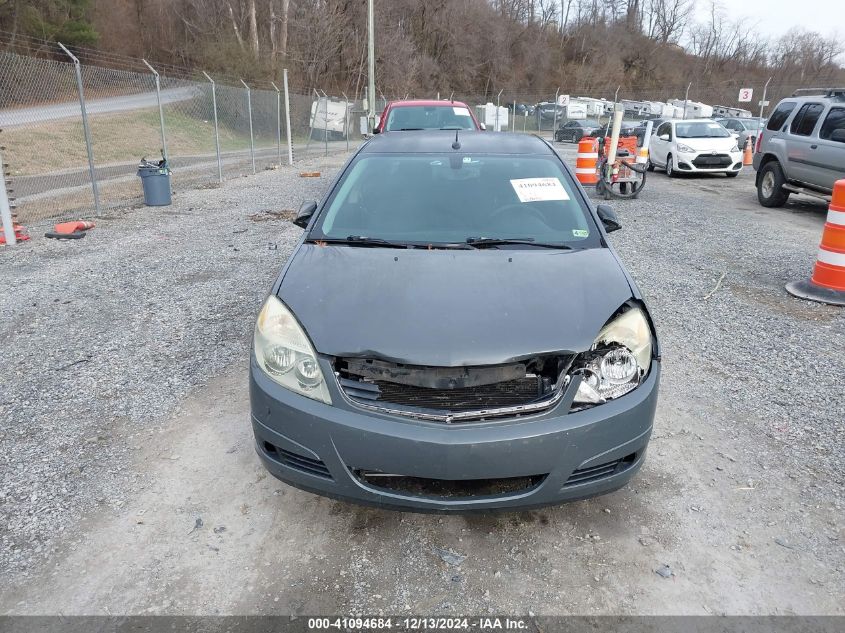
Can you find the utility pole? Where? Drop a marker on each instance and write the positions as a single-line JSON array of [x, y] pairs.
[[371, 51], [763, 100]]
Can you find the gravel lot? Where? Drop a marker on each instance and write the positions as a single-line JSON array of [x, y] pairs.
[[128, 483]]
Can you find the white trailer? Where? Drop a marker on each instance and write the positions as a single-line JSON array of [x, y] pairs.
[[486, 114], [576, 110], [329, 116], [728, 111], [694, 109]]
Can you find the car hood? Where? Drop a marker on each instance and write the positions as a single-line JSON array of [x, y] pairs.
[[452, 307], [709, 144]]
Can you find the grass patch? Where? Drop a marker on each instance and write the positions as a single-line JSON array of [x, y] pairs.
[[117, 138]]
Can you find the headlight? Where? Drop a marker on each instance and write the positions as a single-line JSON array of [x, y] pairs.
[[285, 354], [686, 149], [618, 360]]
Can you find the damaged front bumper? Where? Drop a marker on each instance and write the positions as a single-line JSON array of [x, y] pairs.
[[345, 452]]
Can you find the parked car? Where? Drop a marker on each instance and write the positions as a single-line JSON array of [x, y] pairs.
[[572, 131], [412, 353], [802, 148], [628, 129], [694, 146], [640, 128], [403, 116], [744, 128]]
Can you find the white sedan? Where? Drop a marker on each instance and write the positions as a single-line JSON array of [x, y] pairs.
[[695, 146]]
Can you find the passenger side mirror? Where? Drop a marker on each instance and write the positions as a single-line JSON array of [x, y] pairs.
[[838, 135], [376, 130], [305, 212], [608, 218], [482, 126], [663, 137]]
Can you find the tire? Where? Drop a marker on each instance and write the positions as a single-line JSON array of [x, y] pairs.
[[770, 183], [649, 165], [670, 168], [731, 174]]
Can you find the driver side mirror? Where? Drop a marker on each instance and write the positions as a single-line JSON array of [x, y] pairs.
[[305, 212], [663, 137], [482, 126], [608, 218]]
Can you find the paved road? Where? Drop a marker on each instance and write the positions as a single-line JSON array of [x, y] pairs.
[[71, 109]]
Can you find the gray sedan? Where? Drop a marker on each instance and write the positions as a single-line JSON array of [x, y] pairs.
[[454, 332]]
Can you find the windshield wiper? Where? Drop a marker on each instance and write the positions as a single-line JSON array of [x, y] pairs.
[[410, 129], [360, 240], [483, 242]]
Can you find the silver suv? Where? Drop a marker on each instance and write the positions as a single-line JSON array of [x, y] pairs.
[[802, 148]]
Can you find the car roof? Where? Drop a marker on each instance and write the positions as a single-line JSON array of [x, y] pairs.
[[427, 102], [472, 142], [702, 120]]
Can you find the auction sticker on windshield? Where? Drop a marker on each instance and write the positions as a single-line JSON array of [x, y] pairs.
[[539, 189], [460, 111]]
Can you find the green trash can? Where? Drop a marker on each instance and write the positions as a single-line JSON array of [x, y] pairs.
[[155, 178]]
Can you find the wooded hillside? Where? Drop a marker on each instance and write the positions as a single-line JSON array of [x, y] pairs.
[[471, 47]]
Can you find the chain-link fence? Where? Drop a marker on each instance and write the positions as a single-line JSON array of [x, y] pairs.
[[65, 123]]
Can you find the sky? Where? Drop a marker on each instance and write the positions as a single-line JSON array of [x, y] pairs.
[[773, 18]]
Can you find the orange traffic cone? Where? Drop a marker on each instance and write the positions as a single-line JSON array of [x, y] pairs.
[[827, 284], [70, 230], [748, 156], [20, 233], [585, 161]]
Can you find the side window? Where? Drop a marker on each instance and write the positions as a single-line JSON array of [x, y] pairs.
[[780, 115], [835, 120], [806, 119], [731, 125], [664, 129]]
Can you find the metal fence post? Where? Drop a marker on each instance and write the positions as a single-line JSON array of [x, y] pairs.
[[160, 109], [287, 116], [216, 129], [346, 119], [278, 121], [326, 124], [251, 137], [6, 209], [85, 128], [554, 120]]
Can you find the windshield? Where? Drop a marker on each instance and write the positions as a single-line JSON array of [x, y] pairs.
[[437, 117], [450, 198], [701, 129]]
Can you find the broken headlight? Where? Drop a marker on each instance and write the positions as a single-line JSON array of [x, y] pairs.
[[617, 362], [285, 354]]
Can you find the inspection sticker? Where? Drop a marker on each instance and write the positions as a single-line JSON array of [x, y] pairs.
[[460, 111], [539, 189], [580, 233]]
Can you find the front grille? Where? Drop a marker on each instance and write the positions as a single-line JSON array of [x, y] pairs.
[[451, 394], [296, 461], [448, 488], [502, 394], [711, 161], [594, 473]]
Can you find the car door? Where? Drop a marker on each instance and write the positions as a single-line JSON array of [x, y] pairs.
[[659, 148], [801, 146], [831, 147]]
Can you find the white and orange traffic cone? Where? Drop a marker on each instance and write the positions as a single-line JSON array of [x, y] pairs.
[[748, 155], [586, 160], [827, 285]]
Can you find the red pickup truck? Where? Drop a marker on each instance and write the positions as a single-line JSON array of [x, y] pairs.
[[427, 115]]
